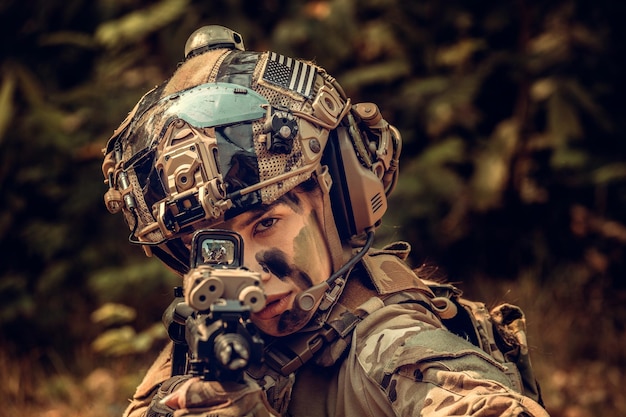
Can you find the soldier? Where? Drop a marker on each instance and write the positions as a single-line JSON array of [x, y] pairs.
[[270, 147]]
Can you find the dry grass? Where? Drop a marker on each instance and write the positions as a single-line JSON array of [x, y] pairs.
[[576, 329], [29, 391], [577, 337]]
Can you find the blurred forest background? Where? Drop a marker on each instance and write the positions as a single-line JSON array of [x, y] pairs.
[[513, 175]]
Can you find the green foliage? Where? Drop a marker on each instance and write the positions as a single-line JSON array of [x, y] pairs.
[[136, 25], [512, 164], [125, 340], [112, 314]]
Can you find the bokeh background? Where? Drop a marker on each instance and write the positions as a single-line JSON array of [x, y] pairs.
[[513, 174]]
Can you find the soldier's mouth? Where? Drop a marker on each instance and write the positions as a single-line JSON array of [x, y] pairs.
[[275, 306]]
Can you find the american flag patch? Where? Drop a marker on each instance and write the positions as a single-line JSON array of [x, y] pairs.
[[290, 73]]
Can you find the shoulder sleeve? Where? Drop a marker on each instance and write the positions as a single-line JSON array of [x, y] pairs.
[[406, 366]]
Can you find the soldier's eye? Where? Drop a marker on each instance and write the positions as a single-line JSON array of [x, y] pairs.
[[265, 224]]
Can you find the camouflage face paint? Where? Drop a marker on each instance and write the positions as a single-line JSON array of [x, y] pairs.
[[290, 321], [310, 249], [275, 260]]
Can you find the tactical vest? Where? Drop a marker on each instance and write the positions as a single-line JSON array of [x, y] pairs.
[[383, 278]]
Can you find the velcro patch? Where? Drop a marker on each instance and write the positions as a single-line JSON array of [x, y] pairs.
[[290, 73]]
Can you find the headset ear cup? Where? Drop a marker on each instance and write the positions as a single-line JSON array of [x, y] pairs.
[[357, 195]]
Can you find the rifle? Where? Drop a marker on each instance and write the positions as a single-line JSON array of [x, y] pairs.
[[209, 319]]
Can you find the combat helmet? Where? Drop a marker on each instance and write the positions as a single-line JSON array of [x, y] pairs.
[[233, 129]]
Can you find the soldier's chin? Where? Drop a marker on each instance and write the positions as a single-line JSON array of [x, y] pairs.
[[290, 321]]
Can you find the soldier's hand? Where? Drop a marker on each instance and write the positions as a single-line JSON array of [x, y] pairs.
[[186, 396]]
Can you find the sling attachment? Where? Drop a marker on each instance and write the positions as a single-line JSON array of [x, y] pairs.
[[283, 357], [330, 329], [380, 278], [289, 355], [500, 332]]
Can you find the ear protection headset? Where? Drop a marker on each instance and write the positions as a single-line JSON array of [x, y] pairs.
[[360, 150], [362, 157]]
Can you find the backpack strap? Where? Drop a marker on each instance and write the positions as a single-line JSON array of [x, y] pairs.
[[510, 324], [500, 332], [382, 278]]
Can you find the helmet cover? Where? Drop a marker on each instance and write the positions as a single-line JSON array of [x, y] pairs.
[[230, 130]]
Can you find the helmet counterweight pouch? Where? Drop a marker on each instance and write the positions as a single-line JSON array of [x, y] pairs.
[[358, 195]]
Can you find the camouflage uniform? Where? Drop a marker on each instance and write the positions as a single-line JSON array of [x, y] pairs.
[[386, 347], [398, 360], [400, 365]]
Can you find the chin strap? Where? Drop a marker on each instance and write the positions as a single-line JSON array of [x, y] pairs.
[[323, 296], [295, 350], [291, 352], [330, 334], [337, 252]]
